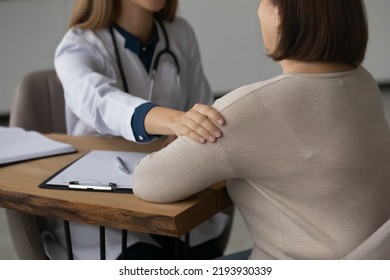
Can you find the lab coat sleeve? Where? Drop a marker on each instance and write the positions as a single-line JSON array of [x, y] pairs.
[[91, 94], [198, 86], [181, 169]]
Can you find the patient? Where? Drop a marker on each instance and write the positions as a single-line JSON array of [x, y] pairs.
[[306, 154]]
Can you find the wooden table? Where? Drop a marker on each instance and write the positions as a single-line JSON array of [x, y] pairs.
[[19, 191]]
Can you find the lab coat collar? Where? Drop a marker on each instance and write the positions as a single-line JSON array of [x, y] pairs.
[[134, 44]]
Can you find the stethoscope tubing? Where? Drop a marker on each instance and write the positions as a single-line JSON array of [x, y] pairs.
[[156, 62]]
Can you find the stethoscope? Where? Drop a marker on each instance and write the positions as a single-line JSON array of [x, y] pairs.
[[165, 51]]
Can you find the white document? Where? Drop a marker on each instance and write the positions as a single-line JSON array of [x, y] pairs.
[[99, 169], [16, 144]]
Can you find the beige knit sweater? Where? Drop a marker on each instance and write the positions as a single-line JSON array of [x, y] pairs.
[[306, 158]]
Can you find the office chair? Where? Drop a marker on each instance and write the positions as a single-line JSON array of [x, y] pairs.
[[39, 105]]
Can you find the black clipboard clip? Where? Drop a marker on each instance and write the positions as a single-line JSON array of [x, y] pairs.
[[94, 187]]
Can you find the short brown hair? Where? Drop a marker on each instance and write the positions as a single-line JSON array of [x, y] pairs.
[[95, 14], [322, 31]]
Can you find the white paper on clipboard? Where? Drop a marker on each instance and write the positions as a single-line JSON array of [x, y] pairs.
[[99, 168]]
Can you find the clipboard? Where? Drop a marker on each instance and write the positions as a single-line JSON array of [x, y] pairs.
[[97, 170]]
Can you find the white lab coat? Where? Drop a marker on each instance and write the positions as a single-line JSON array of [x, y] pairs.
[[96, 104], [95, 101]]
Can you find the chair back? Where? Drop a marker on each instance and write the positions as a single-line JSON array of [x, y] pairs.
[[38, 105]]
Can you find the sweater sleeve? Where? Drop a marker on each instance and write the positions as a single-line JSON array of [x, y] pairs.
[[180, 170]]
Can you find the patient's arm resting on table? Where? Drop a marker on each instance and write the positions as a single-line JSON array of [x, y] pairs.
[[180, 170]]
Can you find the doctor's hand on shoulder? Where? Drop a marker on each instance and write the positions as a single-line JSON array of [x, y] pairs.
[[200, 123]]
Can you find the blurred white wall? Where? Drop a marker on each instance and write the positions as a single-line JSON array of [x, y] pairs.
[[228, 32], [29, 33]]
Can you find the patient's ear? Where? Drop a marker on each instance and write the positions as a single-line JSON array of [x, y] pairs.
[[270, 21]]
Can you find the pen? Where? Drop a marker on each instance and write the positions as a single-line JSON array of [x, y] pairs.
[[122, 166]]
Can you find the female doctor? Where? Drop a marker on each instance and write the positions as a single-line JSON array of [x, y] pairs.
[[130, 68]]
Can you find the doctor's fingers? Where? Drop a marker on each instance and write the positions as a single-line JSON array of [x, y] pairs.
[[195, 132], [209, 112], [196, 123]]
